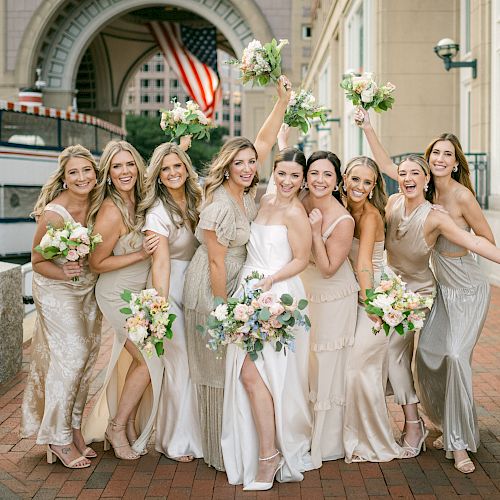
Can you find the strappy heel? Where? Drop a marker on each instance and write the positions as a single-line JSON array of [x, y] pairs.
[[438, 443], [260, 486], [108, 442], [413, 451], [53, 455], [131, 421], [465, 466]]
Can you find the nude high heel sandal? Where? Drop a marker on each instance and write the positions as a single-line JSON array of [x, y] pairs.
[[53, 455], [260, 486], [113, 442], [413, 451]]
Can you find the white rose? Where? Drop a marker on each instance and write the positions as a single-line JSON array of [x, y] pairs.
[[367, 95], [78, 233], [46, 241], [383, 301], [254, 45], [220, 312], [138, 334], [64, 233]]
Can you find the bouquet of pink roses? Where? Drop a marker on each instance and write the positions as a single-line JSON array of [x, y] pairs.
[[255, 318], [71, 242], [400, 309], [364, 91], [150, 322]]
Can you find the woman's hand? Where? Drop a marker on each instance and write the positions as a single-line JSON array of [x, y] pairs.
[[283, 136], [185, 142], [72, 269], [265, 284], [376, 319], [361, 117], [149, 245], [316, 221], [284, 88]]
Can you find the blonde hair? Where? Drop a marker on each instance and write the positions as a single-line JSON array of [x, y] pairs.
[[104, 190], [220, 164], [55, 184], [379, 198], [420, 161], [155, 190]]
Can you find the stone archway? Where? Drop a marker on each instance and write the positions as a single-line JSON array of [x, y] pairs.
[[62, 31]]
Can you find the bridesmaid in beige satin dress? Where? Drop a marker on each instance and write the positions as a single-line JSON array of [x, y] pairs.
[[368, 434], [408, 256], [460, 279], [332, 292], [123, 261], [67, 331], [223, 232], [172, 201]]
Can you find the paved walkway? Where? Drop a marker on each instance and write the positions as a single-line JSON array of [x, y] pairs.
[[24, 472]]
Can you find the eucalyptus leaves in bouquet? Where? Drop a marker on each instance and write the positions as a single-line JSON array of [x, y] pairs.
[[301, 109]]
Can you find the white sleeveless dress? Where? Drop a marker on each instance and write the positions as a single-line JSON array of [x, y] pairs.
[[286, 377]]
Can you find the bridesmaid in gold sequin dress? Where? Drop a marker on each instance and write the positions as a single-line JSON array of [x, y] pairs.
[[68, 326], [123, 259]]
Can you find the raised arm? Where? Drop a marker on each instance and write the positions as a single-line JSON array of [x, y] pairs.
[[283, 136], [268, 133], [362, 119], [330, 255]]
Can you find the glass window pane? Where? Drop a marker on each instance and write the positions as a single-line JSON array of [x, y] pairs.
[[21, 128]]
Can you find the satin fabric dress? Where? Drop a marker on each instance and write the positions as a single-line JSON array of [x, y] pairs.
[[108, 289], [64, 350], [177, 423], [408, 256], [232, 229], [368, 434], [333, 310], [286, 377], [444, 351]]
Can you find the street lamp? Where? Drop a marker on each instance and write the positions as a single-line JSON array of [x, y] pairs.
[[446, 49]]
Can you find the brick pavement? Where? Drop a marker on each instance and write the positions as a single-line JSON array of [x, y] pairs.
[[24, 472]]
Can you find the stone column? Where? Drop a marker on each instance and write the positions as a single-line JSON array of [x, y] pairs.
[[11, 321]]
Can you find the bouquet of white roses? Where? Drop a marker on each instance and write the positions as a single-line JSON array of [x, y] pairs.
[[364, 91], [399, 308], [260, 64], [151, 321], [181, 121], [255, 318], [71, 242], [301, 109]]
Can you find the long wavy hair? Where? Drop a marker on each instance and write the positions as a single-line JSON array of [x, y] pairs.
[[336, 163], [155, 190], [221, 163], [379, 198], [462, 175], [54, 186], [104, 190]]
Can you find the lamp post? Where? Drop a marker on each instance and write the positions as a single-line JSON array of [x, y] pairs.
[[446, 49]]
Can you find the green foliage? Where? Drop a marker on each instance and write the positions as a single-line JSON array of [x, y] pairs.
[[144, 133]]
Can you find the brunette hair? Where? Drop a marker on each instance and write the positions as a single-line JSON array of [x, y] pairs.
[[336, 163]]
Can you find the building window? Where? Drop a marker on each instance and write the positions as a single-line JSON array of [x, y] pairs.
[[237, 118], [159, 98], [237, 131], [226, 117], [130, 99], [145, 68], [306, 31], [144, 98], [144, 84], [159, 67], [159, 84], [174, 83], [216, 115], [303, 70], [144, 112], [225, 101]]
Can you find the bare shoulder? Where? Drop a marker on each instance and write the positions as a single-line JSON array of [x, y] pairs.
[[50, 217], [464, 195], [109, 212], [296, 212], [266, 199], [371, 218]]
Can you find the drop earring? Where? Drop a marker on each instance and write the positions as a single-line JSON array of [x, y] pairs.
[[426, 187], [226, 174], [455, 168], [370, 196], [108, 180], [344, 188]]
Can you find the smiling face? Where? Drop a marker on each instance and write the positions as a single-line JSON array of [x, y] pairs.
[[321, 178], [442, 158], [359, 182], [288, 177], [79, 176], [243, 168], [173, 173], [123, 171], [412, 179]]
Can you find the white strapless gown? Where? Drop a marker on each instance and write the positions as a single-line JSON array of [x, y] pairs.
[[286, 377]]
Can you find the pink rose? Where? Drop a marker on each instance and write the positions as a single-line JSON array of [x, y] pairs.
[[393, 318], [72, 255], [276, 309], [274, 323], [384, 286], [82, 249], [240, 312], [267, 299]]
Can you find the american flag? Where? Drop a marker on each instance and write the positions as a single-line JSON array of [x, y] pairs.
[[192, 55]]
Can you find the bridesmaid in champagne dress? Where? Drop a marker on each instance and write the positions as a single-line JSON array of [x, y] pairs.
[[332, 292], [368, 434], [68, 326], [266, 428], [223, 231], [171, 204], [124, 262], [450, 186]]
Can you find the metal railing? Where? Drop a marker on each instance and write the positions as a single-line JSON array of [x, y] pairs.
[[479, 173]]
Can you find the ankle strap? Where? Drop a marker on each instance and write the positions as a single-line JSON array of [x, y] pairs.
[[118, 426], [269, 458], [414, 421]]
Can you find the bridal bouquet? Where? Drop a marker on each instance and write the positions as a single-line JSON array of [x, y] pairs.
[[399, 308], [151, 321], [260, 64], [181, 121], [71, 242], [255, 318], [301, 109], [364, 91]]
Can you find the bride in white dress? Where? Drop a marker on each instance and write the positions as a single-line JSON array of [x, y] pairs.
[[267, 423]]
